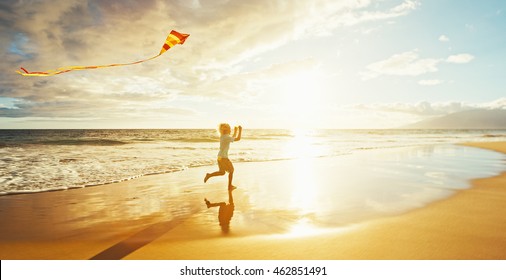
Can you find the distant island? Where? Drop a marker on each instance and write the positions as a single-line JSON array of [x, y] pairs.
[[472, 119]]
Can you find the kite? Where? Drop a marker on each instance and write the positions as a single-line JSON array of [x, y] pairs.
[[173, 39]]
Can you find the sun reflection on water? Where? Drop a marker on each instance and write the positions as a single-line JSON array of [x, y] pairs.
[[305, 191], [303, 145]]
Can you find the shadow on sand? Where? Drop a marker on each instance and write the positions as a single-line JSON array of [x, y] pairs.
[[152, 232], [136, 241]]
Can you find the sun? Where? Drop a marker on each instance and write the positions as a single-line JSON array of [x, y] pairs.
[[301, 94]]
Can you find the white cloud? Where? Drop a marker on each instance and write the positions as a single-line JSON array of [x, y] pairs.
[[403, 64], [460, 58], [425, 108], [444, 38], [470, 27], [409, 64], [406, 7], [430, 82], [496, 104], [364, 16]]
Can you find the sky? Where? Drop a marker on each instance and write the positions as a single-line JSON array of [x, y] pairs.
[[261, 64]]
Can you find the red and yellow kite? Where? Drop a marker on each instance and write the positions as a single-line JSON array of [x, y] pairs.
[[173, 39]]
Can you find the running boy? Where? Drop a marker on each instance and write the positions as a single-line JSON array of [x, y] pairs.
[[224, 164]]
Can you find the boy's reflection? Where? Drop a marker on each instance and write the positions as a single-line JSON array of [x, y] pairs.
[[225, 213]]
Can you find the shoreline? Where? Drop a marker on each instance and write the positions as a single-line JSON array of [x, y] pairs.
[[466, 225], [135, 177]]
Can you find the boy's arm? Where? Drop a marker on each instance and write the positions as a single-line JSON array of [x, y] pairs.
[[238, 135]]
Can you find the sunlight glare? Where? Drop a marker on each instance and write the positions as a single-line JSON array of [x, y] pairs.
[[301, 98], [303, 227], [305, 183], [304, 145]]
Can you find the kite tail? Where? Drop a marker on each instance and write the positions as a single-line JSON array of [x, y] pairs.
[[76, 68], [173, 39]]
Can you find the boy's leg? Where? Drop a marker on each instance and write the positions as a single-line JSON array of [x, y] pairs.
[[217, 173], [210, 204], [230, 177], [220, 172], [230, 168]]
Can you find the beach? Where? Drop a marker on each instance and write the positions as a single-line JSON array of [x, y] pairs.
[[276, 216]]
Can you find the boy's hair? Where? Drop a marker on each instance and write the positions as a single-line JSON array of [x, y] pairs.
[[224, 126]]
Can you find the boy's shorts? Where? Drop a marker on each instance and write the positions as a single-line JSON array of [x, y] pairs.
[[225, 165]]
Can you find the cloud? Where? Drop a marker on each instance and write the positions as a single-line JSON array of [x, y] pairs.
[[470, 27], [443, 38], [496, 104], [425, 108], [430, 82], [405, 7], [403, 64], [365, 16], [460, 58], [409, 64]]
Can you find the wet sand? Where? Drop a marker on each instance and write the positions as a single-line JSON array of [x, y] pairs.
[[128, 221]]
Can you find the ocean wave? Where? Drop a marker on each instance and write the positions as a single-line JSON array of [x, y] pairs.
[[89, 184], [217, 139], [190, 148], [264, 137], [195, 140], [144, 140], [68, 160], [493, 135], [79, 142], [15, 192]]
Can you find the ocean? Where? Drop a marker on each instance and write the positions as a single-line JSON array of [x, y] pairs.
[[48, 160]]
